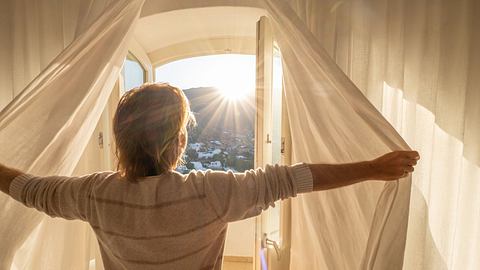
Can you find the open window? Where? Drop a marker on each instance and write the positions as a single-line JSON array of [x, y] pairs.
[[267, 140], [240, 130]]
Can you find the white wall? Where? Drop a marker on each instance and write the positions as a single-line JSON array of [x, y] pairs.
[[241, 238]]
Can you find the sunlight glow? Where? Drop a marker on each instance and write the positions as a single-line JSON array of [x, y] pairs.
[[233, 93], [232, 74]]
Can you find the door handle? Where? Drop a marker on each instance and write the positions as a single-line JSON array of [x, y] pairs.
[[268, 242]]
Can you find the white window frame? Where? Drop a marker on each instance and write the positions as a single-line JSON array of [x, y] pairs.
[[264, 150]]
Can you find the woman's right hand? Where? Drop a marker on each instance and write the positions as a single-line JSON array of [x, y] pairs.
[[394, 165]]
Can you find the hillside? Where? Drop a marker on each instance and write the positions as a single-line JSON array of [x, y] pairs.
[[215, 114]]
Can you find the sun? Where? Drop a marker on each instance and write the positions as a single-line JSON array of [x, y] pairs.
[[233, 93], [233, 89]]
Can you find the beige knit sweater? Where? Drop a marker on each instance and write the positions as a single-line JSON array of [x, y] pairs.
[[169, 221]]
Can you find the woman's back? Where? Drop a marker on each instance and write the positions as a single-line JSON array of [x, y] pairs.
[[161, 222]]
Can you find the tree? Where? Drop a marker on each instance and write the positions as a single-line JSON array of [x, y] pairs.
[[192, 154], [190, 166]]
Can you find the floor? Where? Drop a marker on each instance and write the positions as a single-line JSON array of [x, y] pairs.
[[237, 263]]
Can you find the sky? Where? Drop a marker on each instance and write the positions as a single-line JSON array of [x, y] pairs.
[[233, 73]]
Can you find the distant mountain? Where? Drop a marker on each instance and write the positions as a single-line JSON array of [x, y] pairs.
[[214, 113]]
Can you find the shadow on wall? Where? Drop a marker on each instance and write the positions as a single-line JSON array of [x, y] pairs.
[[444, 207], [421, 251]]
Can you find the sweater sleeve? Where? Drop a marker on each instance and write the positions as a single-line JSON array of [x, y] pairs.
[[57, 196], [236, 196]]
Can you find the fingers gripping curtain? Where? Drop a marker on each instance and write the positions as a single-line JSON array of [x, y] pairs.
[[358, 227], [46, 127]]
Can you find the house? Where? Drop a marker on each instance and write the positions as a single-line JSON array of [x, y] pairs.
[[203, 155], [195, 146], [209, 154], [217, 165], [197, 165]]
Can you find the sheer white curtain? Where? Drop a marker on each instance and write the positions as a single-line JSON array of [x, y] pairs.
[[419, 63], [362, 226], [45, 128]]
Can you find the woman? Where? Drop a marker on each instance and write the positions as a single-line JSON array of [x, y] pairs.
[[147, 216]]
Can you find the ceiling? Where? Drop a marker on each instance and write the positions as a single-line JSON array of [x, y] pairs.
[[166, 29]]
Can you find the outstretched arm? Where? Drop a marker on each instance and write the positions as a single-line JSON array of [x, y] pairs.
[[391, 166], [235, 196], [6, 177], [57, 196]]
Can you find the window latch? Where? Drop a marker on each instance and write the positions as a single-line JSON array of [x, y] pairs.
[[100, 140]]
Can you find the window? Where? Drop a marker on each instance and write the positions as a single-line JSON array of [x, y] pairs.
[[133, 73], [272, 141], [220, 89]]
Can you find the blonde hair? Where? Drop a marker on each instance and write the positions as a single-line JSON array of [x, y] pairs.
[[150, 128]]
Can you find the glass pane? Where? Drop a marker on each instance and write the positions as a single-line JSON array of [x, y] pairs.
[[277, 86], [273, 214], [133, 73]]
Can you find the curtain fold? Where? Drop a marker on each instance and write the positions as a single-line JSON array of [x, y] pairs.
[[48, 124]]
